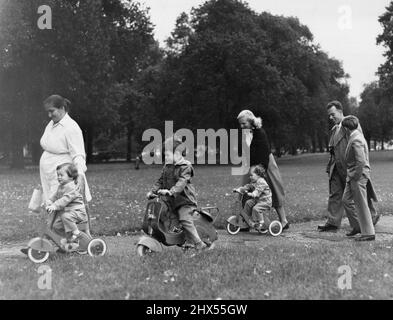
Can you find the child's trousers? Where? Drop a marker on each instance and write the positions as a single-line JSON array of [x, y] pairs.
[[186, 220], [255, 209], [67, 220]]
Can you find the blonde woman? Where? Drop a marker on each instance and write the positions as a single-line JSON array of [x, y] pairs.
[[260, 154]]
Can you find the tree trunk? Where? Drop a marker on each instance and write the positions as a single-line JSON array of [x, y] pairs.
[[36, 152], [382, 146], [314, 144], [320, 144], [89, 143], [129, 143], [17, 160], [293, 151]]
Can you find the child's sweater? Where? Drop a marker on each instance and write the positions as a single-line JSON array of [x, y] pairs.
[[259, 190], [68, 198]]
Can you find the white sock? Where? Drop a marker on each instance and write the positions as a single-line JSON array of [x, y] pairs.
[[76, 233]]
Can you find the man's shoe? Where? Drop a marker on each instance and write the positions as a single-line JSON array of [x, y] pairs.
[[354, 232], [327, 228], [376, 219], [24, 250], [366, 238], [286, 227]]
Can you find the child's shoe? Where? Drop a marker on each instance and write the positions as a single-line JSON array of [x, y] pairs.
[[68, 245], [261, 227], [75, 240], [175, 229], [201, 246]]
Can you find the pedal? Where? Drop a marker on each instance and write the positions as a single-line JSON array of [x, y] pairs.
[[69, 246]]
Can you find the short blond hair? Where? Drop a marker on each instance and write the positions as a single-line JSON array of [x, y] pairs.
[[248, 115]]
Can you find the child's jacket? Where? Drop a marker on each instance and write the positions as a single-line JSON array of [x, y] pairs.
[[260, 191], [68, 198], [177, 179]]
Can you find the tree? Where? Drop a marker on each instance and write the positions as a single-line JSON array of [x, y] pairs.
[[95, 48], [376, 114], [225, 57]]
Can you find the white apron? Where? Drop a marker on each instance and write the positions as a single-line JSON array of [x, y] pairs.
[[59, 143]]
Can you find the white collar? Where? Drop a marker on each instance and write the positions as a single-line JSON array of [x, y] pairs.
[[62, 121]]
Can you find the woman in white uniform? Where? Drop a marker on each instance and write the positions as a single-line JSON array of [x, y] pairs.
[[62, 142]]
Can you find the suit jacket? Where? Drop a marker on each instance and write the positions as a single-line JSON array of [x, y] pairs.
[[357, 161], [356, 157], [338, 142]]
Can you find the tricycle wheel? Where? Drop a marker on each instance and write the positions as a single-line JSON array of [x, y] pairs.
[[275, 228], [96, 247], [232, 229], [142, 250], [37, 256]]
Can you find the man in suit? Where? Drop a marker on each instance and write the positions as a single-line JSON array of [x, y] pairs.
[[358, 184], [337, 169]]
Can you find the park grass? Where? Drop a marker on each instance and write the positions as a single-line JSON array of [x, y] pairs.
[[274, 271], [279, 268], [119, 193]]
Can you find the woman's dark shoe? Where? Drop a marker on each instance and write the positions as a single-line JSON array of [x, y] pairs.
[[286, 227], [366, 238], [24, 250], [354, 232]]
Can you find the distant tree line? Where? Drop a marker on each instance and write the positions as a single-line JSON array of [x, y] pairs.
[[222, 57], [376, 106]]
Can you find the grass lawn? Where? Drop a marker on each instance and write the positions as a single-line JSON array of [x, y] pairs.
[[273, 270], [119, 193], [278, 268]]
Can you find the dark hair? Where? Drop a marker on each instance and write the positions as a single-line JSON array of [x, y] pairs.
[[58, 102], [70, 168], [350, 122], [336, 104], [259, 170]]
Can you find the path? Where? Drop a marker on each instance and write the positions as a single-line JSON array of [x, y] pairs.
[[300, 232]]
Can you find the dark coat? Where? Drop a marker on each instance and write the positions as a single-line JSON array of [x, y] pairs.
[[260, 148], [177, 179]]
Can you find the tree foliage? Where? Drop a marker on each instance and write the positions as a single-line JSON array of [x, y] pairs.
[[225, 57], [92, 54]]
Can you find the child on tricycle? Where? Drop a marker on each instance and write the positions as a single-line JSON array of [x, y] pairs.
[[68, 227], [67, 203], [256, 203]]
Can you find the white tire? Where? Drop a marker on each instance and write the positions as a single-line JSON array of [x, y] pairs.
[[37, 256], [142, 250], [275, 228], [232, 229], [96, 247]]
